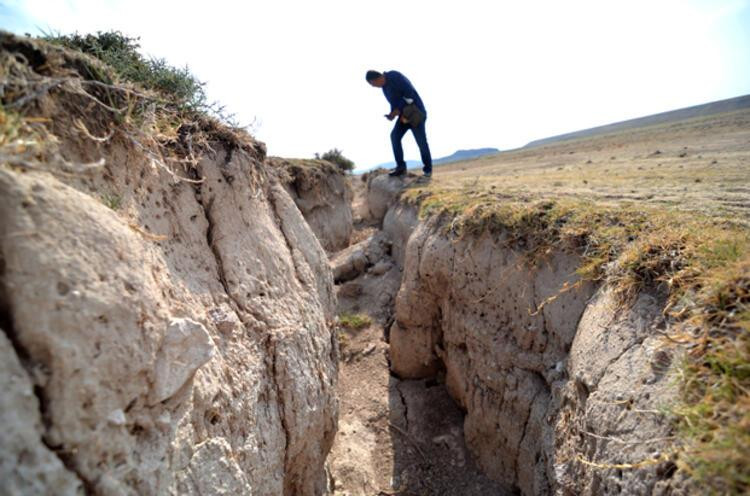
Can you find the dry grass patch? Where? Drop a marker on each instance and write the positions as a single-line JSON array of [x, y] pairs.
[[703, 166], [714, 416]]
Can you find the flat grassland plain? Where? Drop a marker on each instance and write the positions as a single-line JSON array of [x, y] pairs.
[[700, 164]]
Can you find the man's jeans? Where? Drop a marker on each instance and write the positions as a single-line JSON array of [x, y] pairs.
[[420, 135]]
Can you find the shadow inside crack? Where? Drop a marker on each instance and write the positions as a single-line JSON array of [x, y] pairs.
[[430, 456]]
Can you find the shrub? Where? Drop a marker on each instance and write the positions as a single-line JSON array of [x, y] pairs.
[[335, 156], [178, 85]]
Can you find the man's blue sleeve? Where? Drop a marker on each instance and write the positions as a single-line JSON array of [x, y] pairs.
[[402, 88], [393, 98], [407, 90]]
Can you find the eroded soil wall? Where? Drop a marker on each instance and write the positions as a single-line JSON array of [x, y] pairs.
[[166, 328], [322, 193]]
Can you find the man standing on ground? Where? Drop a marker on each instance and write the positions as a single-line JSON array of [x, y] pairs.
[[408, 110]]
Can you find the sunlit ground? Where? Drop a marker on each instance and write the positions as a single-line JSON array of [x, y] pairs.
[[700, 164]]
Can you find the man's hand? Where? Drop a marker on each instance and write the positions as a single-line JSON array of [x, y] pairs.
[[392, 115]]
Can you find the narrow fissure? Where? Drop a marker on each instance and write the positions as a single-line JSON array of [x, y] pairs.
[[210, 241], [215, 250], [404, 404], [282, 227], [538, 301], [65, 457], [280, 403], [525, 429], [206, 207], [241, 311], [8, 329]]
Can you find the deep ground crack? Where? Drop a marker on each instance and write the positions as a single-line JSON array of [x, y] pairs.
[[210, 241], [240, 310], [271, 353], [403, 402], [282, 227]]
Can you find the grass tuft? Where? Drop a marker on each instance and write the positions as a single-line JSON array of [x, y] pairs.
[[108, 91], [354, 321], [112, 201]]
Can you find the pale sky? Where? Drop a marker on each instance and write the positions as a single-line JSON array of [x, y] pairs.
[[491, 74]]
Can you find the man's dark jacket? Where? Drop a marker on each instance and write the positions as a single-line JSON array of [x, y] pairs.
[[399, 92]]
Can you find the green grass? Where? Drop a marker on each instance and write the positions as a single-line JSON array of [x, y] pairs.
[[701, 263], [354, 321], [10, 127], [112, 201], [121, 53], [336, 156]]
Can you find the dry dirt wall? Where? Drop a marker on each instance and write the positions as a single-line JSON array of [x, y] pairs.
[[544, 391], [175, 341], [322, 193]]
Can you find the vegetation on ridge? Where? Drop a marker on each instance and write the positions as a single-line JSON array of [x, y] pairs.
[[336, 156], [121, 53], [99, 88]]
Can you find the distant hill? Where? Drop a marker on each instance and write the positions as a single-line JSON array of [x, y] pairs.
[[454, 157], [465, 155], [705, 109]]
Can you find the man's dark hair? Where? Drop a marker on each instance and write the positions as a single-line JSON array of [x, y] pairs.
[[372, 76]]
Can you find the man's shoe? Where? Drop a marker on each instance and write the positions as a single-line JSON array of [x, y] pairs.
[[427, 175], [397, 172]]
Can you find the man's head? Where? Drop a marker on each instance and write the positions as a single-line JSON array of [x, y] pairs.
[[375, 78]]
